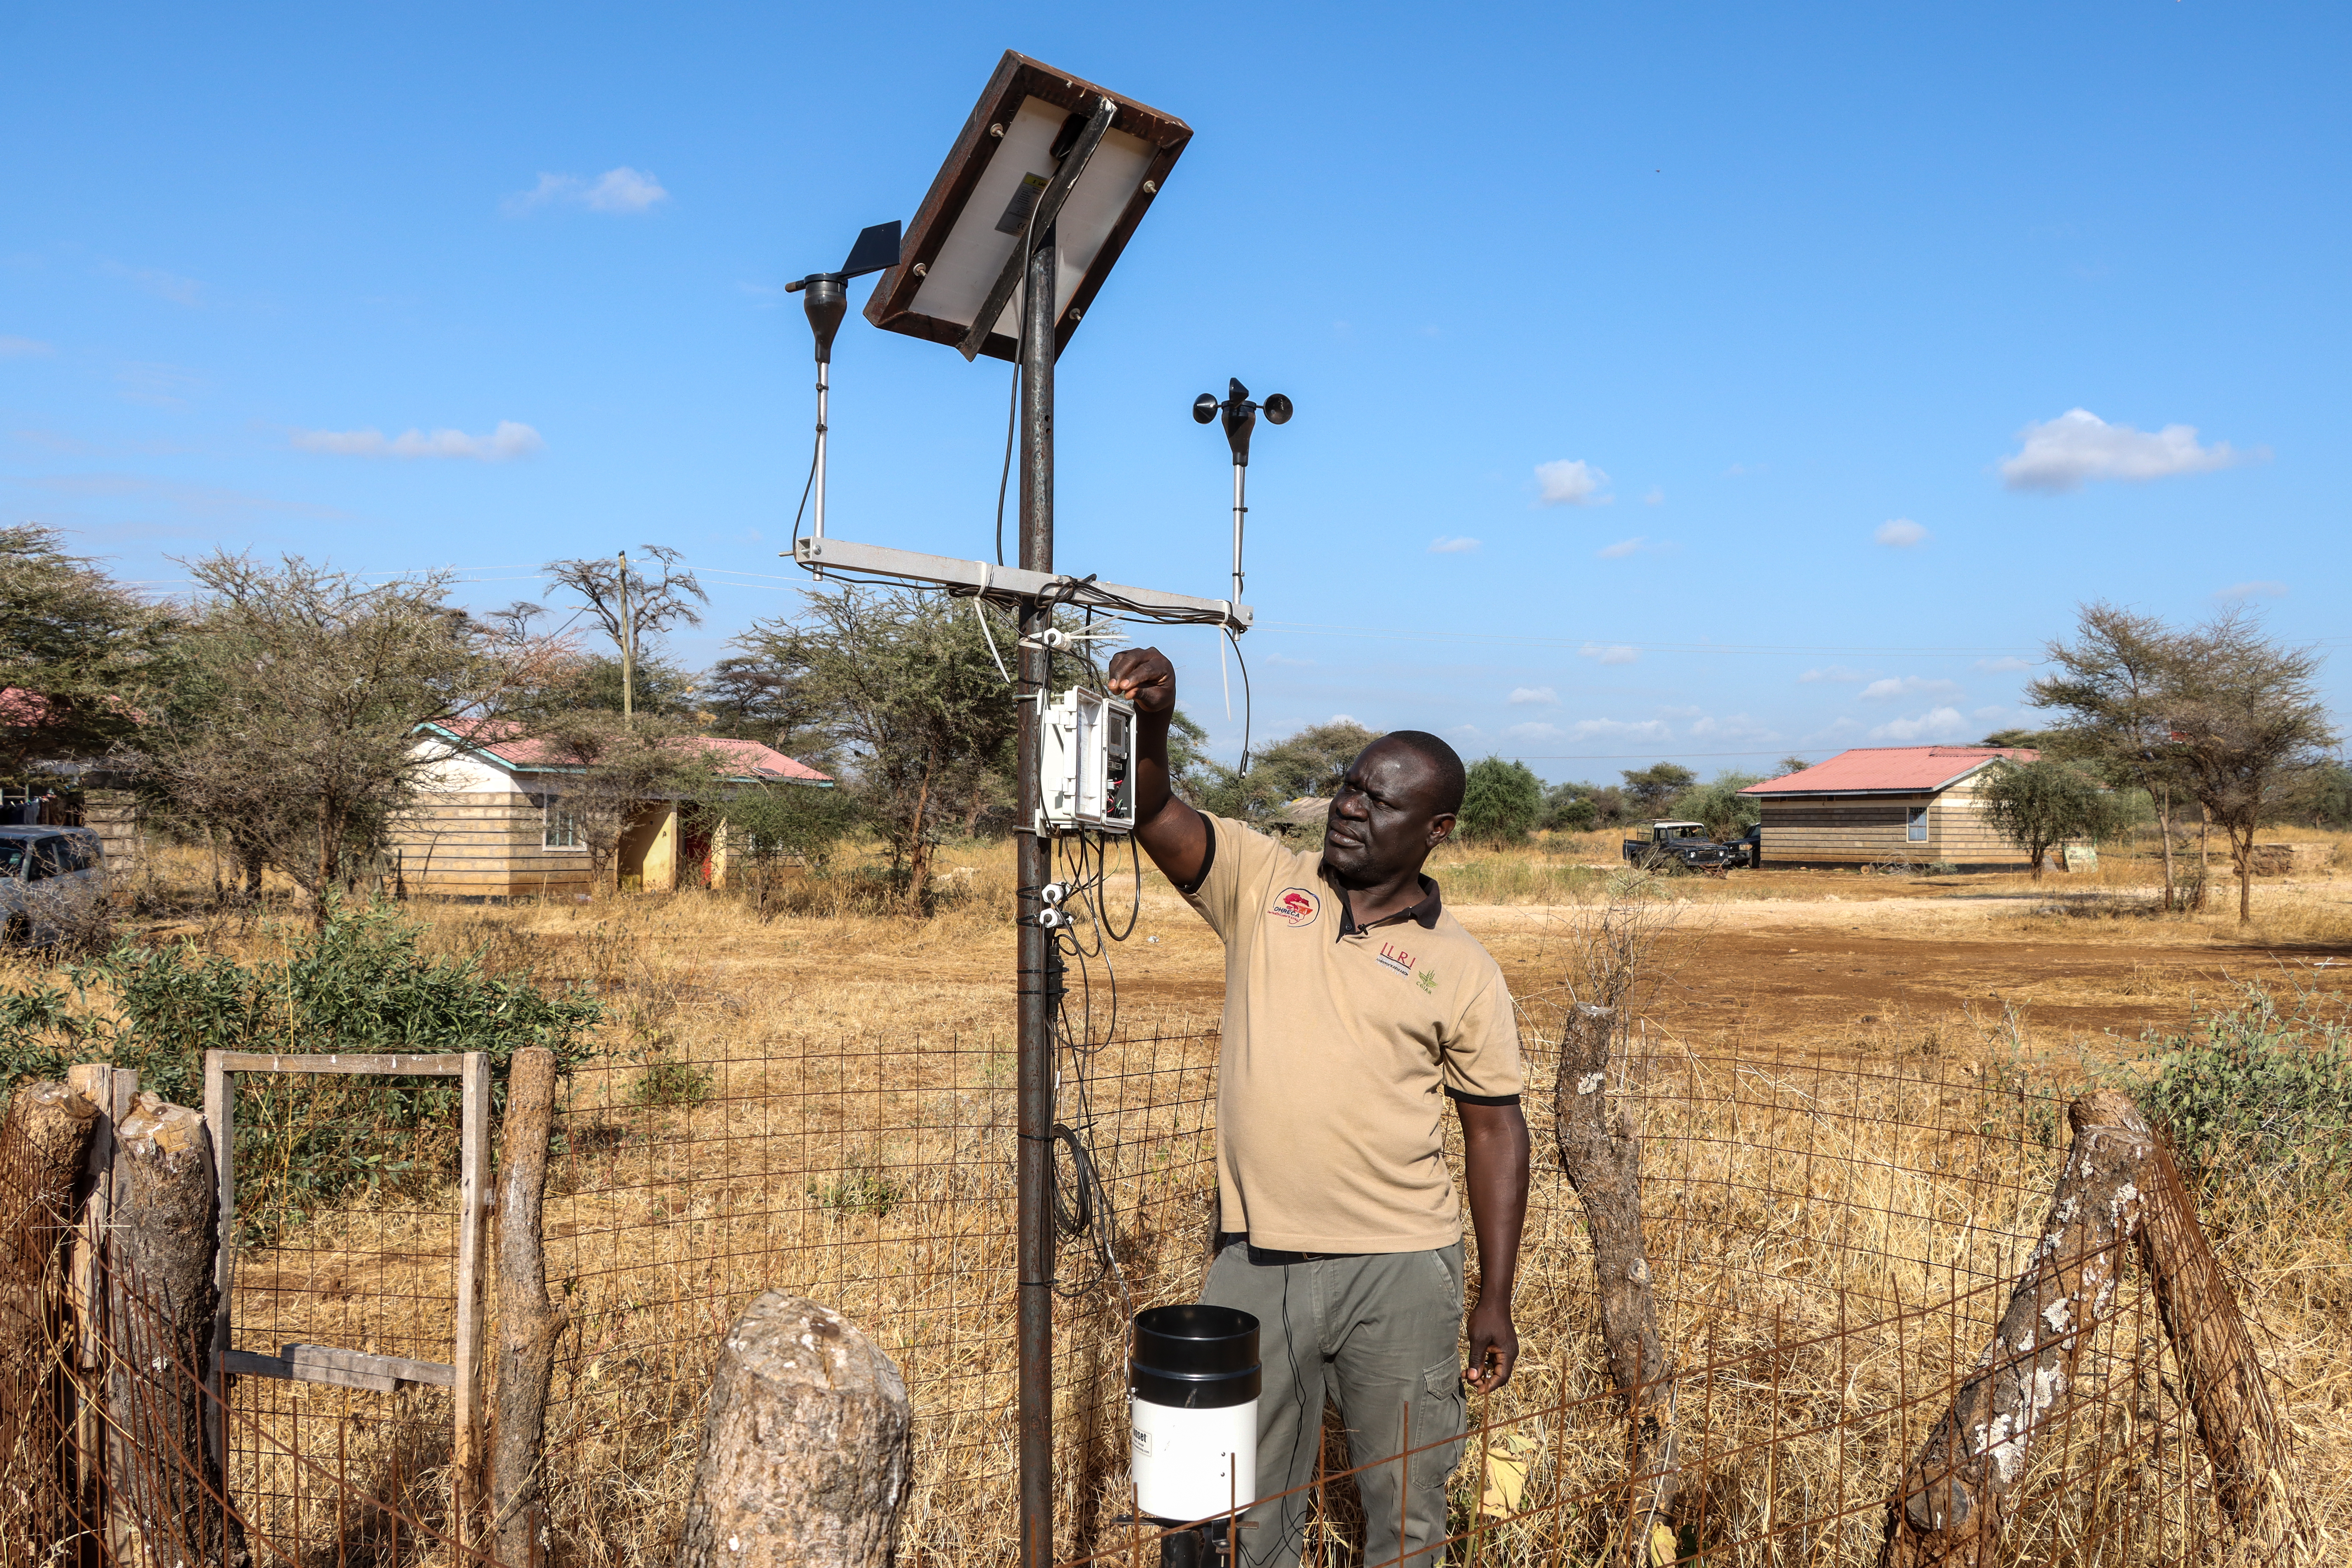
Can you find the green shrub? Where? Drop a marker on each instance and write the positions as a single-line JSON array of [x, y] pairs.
[[356, 984], [1501, 802], [2260, 1101], [864, 1189]]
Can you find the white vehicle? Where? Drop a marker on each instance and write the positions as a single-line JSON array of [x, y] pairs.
[[50, 879]]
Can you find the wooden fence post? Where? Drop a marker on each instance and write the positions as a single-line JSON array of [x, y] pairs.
[[46, 1138], [166, 1491], [528, 1324], [806, 1453], [468, 1449], [2236, 1421], [1601, 1154]]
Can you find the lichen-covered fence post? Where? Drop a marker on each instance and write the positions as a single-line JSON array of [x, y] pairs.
[[2119, 1186], [807, 1449], [1602, 1153], [528, 1324]]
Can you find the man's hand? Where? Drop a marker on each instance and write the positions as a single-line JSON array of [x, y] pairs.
[[1174, 835], [1144, 676], [1493, 1346], [1495, 1159]]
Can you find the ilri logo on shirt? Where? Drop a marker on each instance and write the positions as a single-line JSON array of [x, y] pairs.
[[1395, 958]]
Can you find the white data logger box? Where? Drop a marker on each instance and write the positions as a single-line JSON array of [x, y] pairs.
[[1086, 757]]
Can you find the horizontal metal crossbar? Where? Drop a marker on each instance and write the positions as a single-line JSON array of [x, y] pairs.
[[1012, 582], [389, 1063], [341, 1368]]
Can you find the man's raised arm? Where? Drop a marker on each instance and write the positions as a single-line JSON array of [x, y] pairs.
[[1174, 835]]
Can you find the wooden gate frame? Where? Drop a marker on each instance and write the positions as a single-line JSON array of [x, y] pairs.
[[355, 1369]]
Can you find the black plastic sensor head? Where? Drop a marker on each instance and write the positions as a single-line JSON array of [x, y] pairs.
[[1241, 416], [828, 292]]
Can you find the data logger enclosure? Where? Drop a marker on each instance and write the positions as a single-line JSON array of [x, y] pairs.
[[1087, 758]]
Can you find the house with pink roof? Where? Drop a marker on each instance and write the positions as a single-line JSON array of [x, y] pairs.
[[1880, 804], [491, 822]]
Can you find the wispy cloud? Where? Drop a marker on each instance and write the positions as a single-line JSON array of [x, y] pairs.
[[157, 386], [623, 189], [2261, 588], [1640, 544], [1444, 545], [1901, 534], [1609, 653], [1830, 672], [2005, 663], [508, 441], [1654, 495], [1895, 686], [2062, 453], [1733, 726], [1936, 724], [22, 348], [1522, 696], [1571, 482], [154, 280], [1630, 730]]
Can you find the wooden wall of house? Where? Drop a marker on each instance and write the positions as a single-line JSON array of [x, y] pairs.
[[1850, 830], [484, 844]]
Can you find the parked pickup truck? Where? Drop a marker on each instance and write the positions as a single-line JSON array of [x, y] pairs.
[[1681, 841]]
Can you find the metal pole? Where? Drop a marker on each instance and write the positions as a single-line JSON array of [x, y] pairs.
[[1035, 1223], [1240, 511], [628, 646], [824, 376]]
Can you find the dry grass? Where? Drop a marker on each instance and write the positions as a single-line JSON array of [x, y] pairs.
[[819, 1102]]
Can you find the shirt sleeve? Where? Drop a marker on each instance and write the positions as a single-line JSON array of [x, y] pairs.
[[1482, 1051], [1239, 859]]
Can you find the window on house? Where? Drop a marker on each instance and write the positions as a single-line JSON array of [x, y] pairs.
[[558, 829], [1919, 825]]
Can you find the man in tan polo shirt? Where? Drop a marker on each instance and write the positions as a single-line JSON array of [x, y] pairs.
[[1355, 1008]]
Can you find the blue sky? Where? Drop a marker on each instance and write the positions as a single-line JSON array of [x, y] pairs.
[[1695, 381]]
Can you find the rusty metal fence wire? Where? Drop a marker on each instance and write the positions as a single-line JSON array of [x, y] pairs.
[[1831, 1240]]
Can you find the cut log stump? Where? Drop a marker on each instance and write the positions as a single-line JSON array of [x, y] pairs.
[[806, 1452]]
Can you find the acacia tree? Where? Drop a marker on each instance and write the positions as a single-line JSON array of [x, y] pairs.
[[631, 605], [904, 683], [1650, 790], [1718, 804], [1310, 763], [80, 655], [2038, 806], [617, 766], [2246, 724], [1501, 802], [294, 725], [2116, 684]]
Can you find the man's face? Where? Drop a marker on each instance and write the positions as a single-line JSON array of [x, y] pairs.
[[1383, 821]]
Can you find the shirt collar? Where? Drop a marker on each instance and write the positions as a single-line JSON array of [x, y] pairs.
[[1422, 912]]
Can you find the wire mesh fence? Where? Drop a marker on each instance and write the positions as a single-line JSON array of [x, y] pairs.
[[1832, 1240]]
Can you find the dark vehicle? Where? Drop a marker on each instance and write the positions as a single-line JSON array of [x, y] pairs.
[[49, 877], [1751, 846], [1681, 843]]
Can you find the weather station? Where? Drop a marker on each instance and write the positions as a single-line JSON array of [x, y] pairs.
[[1037, 198]]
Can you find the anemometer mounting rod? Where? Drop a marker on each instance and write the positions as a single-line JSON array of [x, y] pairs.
[[1241, 421]]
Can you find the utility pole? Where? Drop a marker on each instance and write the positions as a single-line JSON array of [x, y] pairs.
[[628, 650], [1040, 977]]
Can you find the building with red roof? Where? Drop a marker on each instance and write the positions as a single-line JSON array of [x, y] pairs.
[[491, 822], [1888, 805]]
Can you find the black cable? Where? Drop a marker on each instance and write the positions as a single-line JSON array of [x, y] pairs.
[[1245, 696], [815, 444]]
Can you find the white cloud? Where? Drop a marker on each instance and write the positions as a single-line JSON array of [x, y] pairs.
[[1644, 730], [1830, 672], [156, 281], [1936, 724], [1443, 545], [158, 385], [1541, 695], [1343, 719], [2007, 661], [22, 348], [1655, 496], [1737, 727], [1573, 482], [2078, 445], [621, 190], [508, 441], [1624, 547], [2261, 588], [1612, 652], [1901, 534], [1895, 686]]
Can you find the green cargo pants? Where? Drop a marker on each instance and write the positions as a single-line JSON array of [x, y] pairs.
[[1378, 1333]]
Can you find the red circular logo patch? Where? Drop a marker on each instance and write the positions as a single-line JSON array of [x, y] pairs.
[[1296, 907]]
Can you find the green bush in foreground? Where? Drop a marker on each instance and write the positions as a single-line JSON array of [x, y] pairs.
[[356, 984]]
